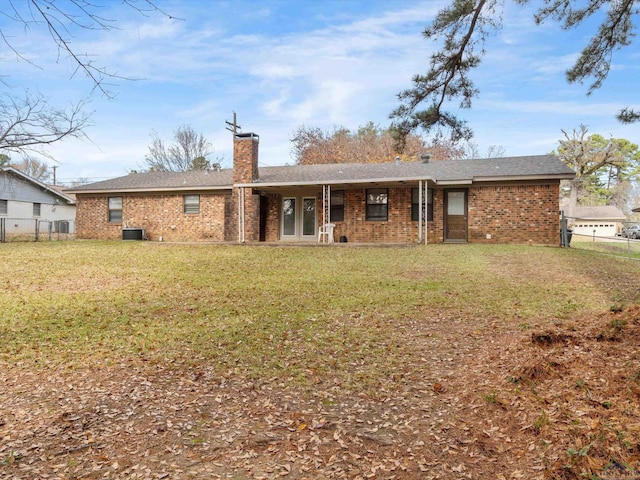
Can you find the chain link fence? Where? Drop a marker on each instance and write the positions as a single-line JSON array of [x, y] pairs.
[[606, 237], [35, 230]]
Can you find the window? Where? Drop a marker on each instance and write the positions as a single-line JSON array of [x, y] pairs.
[[377, 204], [4, 207], [415, 199], [337, 206], [289, 216], [309, 216], [192, 204], [115, 209], [36, 209]]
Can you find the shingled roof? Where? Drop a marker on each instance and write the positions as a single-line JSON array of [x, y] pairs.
[[444, 172], [162, 181], [603, 212]]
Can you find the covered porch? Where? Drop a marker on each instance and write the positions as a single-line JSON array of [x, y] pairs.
[[403, 212]]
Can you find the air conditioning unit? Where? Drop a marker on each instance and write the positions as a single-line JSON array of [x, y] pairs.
[[62, 226], [133, 234]]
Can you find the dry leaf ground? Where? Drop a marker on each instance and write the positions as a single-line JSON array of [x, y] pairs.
[[470, 395]]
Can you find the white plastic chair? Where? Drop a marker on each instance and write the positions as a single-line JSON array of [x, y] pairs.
[[326, 230]]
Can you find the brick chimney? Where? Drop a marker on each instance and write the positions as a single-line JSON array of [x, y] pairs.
[[245, 157]]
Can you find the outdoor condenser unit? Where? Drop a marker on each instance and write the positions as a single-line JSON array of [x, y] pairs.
[[133, 234]]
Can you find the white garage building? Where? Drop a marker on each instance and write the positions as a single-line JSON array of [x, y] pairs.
[[603, 221]]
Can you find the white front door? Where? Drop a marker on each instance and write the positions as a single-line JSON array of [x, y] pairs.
[[298, 218]]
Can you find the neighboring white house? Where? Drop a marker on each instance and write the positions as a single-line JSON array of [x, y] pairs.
[[28, 205], [603, 221]]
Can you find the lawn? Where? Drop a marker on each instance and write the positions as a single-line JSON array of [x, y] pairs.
[[146, 360], [619, 246]]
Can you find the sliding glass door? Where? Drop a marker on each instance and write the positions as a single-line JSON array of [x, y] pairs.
[[299, 221]]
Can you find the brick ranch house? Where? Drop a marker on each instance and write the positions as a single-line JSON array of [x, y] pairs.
[[498, 200]]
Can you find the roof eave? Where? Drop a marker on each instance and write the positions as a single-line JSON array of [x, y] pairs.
[[387, 180], [151, 190], [557, 176], [334, 182], [454, 182], [44, 186], [466, 181], [602, 219]]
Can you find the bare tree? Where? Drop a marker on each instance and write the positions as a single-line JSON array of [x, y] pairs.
[[189, 151], [28, 125], [34, 168], [605, 167], [471, 150], [60, 19]]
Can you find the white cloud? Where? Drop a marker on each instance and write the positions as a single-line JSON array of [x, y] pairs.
[[573, 108], [278, 69], [554, 65]]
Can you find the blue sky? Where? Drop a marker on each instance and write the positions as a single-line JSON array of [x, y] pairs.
[[283, 64]]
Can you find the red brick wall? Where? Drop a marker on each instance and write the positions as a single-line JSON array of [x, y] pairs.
[[251, 216], [515, 214], [508, 213], [245, 159], [160, 216], [272, 231], [435, 228], [397, 229]]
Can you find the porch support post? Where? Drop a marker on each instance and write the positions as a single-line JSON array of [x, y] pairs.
[[328, 203], [420, 212], [324, 205], [426, 212], [241, 214]]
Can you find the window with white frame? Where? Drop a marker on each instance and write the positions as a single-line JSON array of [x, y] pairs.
[[115, 209], [36, 209], [4, 207], [192, 204], [377, 204]]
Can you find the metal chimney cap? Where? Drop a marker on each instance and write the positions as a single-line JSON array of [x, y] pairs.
[[425, 157], [247, 135]]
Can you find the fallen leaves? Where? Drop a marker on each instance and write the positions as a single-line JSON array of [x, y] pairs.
[[567, 407]]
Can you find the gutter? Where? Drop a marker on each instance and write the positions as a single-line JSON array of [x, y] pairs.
[[557, 176], [561, 176], [150, 190]]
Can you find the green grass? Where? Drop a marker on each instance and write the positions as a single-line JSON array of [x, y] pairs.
[[303, 315], [618, 246]]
